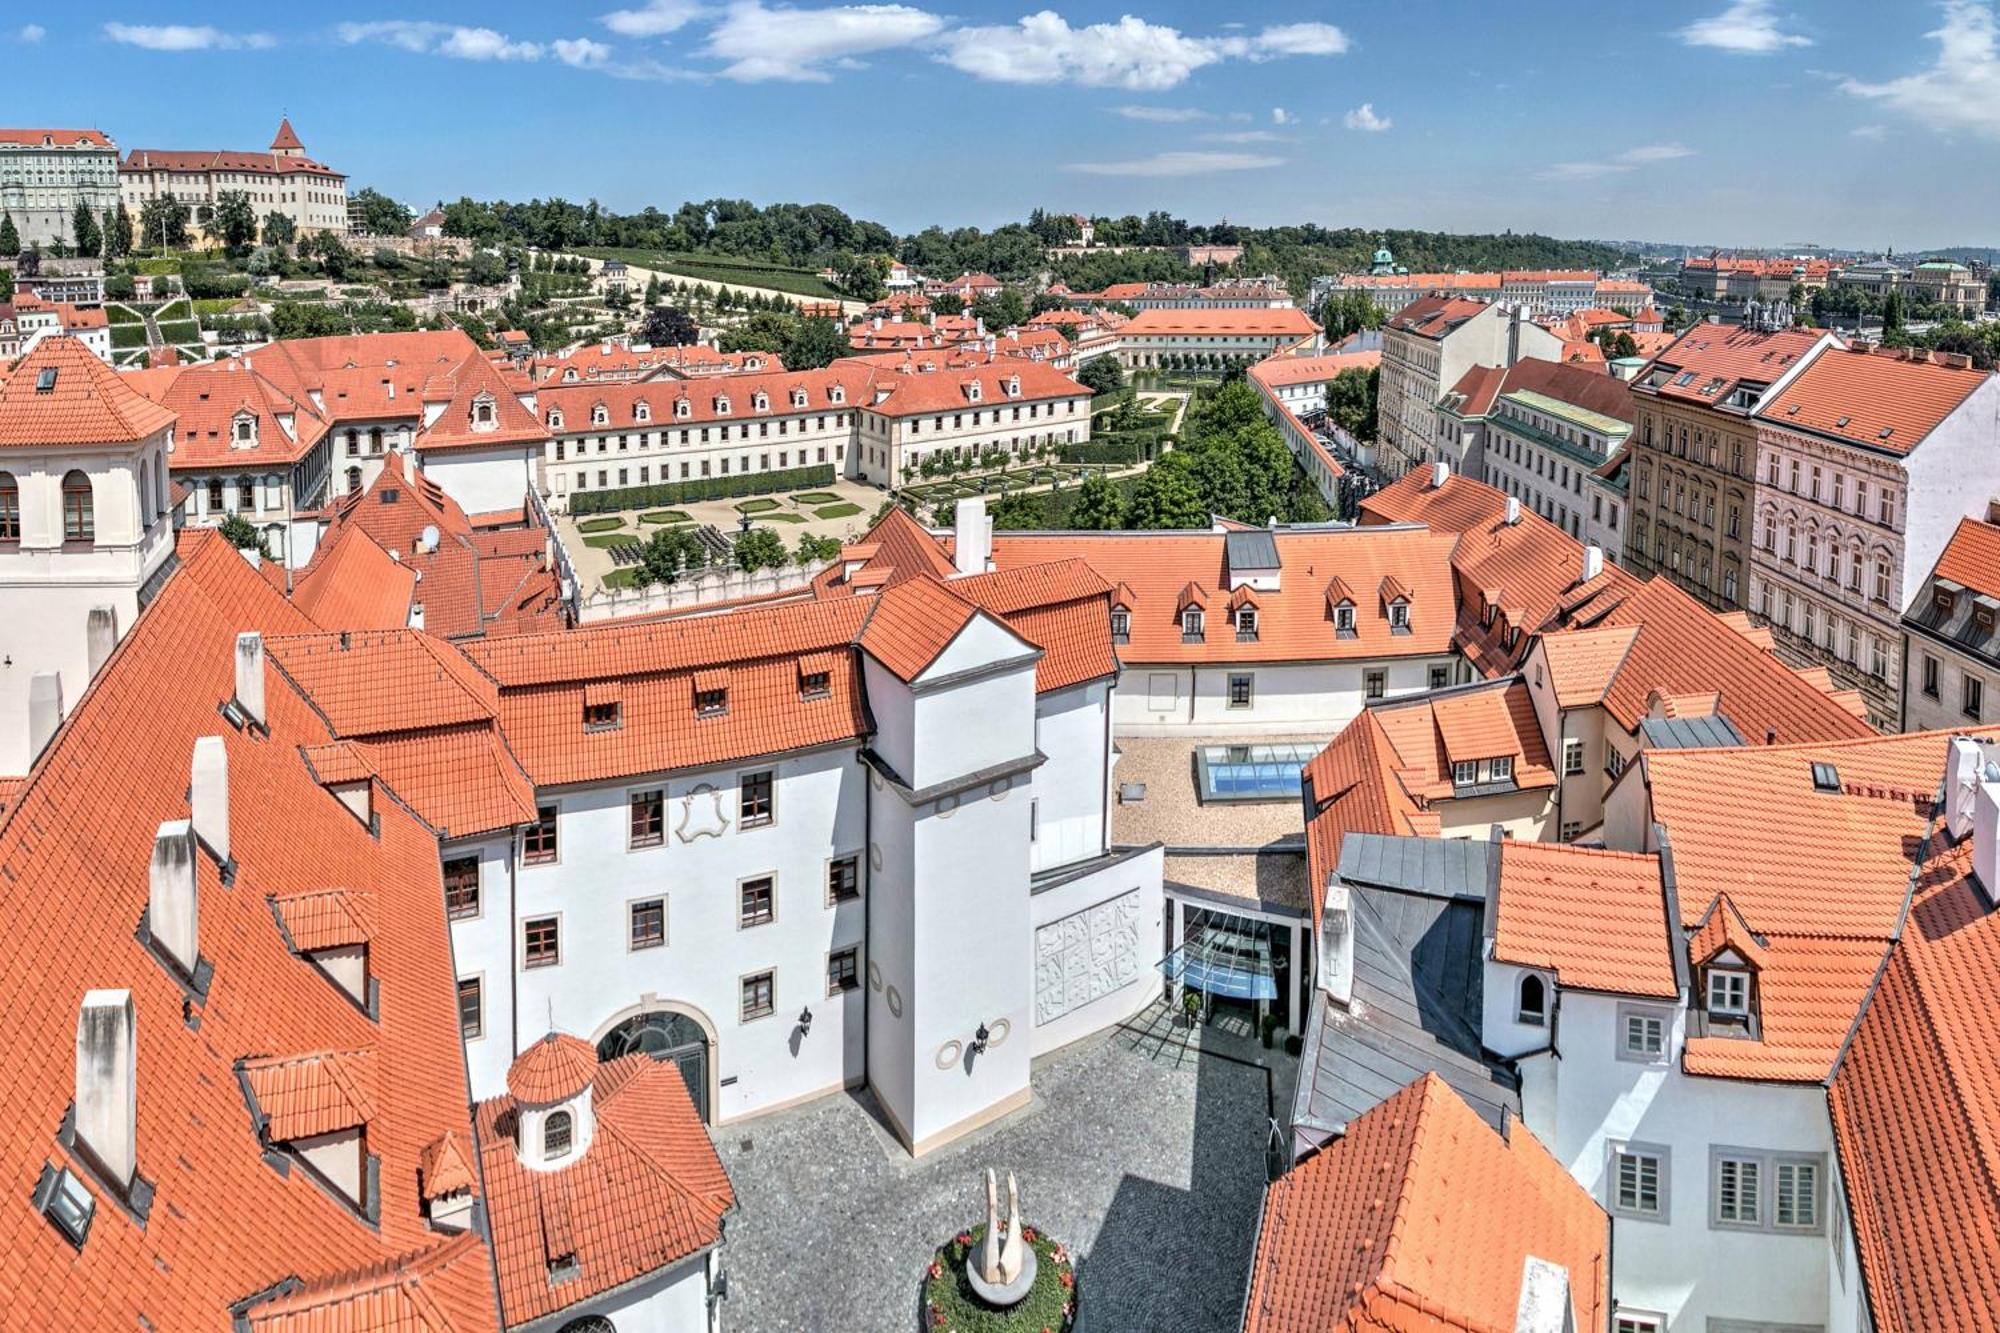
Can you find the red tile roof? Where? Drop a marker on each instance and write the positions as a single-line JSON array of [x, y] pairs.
[[58, 138], [1352, 787], [1709, 361], [307, 1095], [142, 160], [647, 1192], [375, 682], [352, 583], [1230, 321], [1430, 732], [554, 1069], [1422, 1218], [911, 622], [1971, 558], [1434, 316], [706, 399], [1597, 919], [1884, 398], [86, 403]]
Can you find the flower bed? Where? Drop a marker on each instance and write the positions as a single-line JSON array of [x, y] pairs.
[[663, 516], [757, 506], [599, 524], [950, 1305], [816, 498]]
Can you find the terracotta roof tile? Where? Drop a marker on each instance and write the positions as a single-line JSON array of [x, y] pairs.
[[379, 681], [1877, 398], [327, 918], [554, 1069], [911, 623], [1352, 787], [86, 402], [1598, 919], [307, 1095], [1971, 558], [1252, 321]]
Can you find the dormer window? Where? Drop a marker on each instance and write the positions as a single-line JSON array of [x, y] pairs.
[[1728, 994], [1532, 1002], [1503, 768], [1121, 625], [682, 408], [1191, 625], [711, 694], [1343, 620], [1246, 624], [243, 432], [483, 411], [1013, 386], [721, 406], [1945, 600], [642, 411], [972, 390], [1399, 617], [555, 418], [798, 398], [761, 403], [601, 716], [1464, 773], [837, 394], [558, 1135]]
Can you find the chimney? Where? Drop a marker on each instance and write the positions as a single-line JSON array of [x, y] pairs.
[[100, 634], [1513, 510], [1337, 932], [974, 532], [250, 676], [45, 711], [170, 903], [209, 795], [1440, 474], [1593, 562], [107, 1085], [1986, 833]]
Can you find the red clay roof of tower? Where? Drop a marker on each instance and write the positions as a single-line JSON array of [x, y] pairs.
[[286, 136], [86, 403], [554, 1069]]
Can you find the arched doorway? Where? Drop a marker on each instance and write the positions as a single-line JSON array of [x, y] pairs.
[[669, 1036]]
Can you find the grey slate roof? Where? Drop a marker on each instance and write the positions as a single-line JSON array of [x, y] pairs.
[[1256, 549], [1690, 733], [1418, 931]]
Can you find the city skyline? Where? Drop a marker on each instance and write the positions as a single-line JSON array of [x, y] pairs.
[[1341, 115]]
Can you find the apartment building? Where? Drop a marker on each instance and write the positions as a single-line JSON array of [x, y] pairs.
[[1427, 348], [36, 318], [45, 174], [1542, 293], [281, 179], [1695, 453], [1950, 659], [1867, 459]]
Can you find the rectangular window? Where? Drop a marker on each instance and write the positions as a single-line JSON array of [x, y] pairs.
[[756, 805], [843, 879], [649, 818], [1974, 697], [600, 716], [1464, 773], [1642, 1035], [1571, 830], [1503, 769], [1795, 1195], [1738, 1194], [461, 887], [1239, 689], [471, 1007], [649, 923], [1375, 682], [538, 841], [842, 972], [1639, 1181], [1572, 756], [1614, 762], [1440, 677], [711, 703], [759, 1000], [1121, 626], [757, 905], [542, 942], [1729, 993]]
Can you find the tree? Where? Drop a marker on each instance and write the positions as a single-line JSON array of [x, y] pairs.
[[669, 326], [163, 222], [241, 533], [816, 550], [486, 269], [1348, 312], [1351, 401], [1101, 375], [1020, 511], [118, 232], [668, 553], [1168, 496], [860, 276], [1100, 505], [10, 236], [235, 222], [1892, 320], [944, 303], [1002, 310], [6, 285], [380, 215], [759, 548], [279, 229], [88, 238], [816, 343]]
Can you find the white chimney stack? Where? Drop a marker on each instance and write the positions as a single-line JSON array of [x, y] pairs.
[[1440, 474], [1513, 510], [107, 1083], [1986, 833], [209, 794], [100, 634], [974, 532], [1337, 930], [250, 676], [45, 711], [170, 904], [1965, 760], [1593, 561]]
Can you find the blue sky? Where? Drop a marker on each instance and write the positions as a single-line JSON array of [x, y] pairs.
[[1753, 122]]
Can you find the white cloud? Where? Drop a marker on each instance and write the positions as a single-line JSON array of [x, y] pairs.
[[580, 52], [1961, 91], [1131, 53], [32, 33], [1363, 117], [655, 18], [1160, 115], [798, 44], [1747, 27], [183, 37], [1244, 136], [1629, 160], [1280, 116], [442, 39], [1182, 163], [1299, 39]]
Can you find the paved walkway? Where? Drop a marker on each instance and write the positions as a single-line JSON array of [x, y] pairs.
[[1148, 1163]]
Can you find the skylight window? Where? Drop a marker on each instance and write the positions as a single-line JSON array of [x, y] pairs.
[[1842, 423], [45, 379], [1825, 777], [62, 1198]]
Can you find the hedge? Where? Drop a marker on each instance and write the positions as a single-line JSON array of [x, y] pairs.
[[699, 489], [600, 525], [1103, 451], [757, 506], [664, 516]]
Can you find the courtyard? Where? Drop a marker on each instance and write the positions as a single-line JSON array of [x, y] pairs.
[[1143, 1154]]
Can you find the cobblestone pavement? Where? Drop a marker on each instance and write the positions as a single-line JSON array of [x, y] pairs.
[[1148, 1163]]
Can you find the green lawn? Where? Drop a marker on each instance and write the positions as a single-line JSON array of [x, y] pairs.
[[173, 310], [185, 331], [126, 336], [663, 516], [604, 540], [842, 510], [781, 518], [118, 314], [622, 578], [816, 498], [756, 506], [609, 523], [732, 269]]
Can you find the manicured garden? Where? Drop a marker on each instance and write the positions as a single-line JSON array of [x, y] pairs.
[[951, 1303], [757, 506], [609, 523], [815, 498], [660, 516], [840, 510], [732, 270]]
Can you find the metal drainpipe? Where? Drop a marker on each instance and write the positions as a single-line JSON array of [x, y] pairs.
[[513, 932], [867, 871]]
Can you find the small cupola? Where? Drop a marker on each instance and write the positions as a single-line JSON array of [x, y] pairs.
[[551, 1086]]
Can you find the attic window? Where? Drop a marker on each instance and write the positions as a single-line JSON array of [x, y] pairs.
[[711, 694], [558, 1134], [482, 411], [721, 406], [1885, 432], [1246, 624], [1825, 777], [602, 716], [1399, 616], [600, 415], [1191, 626], [1842, 423], [555, 418], [1121, 625], [681, 407], [63, 1199], [761, 403], [1343, 620], [642, 411], [1684, 378], [1728, 993], [798, 398], [1945, 600], [45, 379], [837, 394], [389, 495]]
